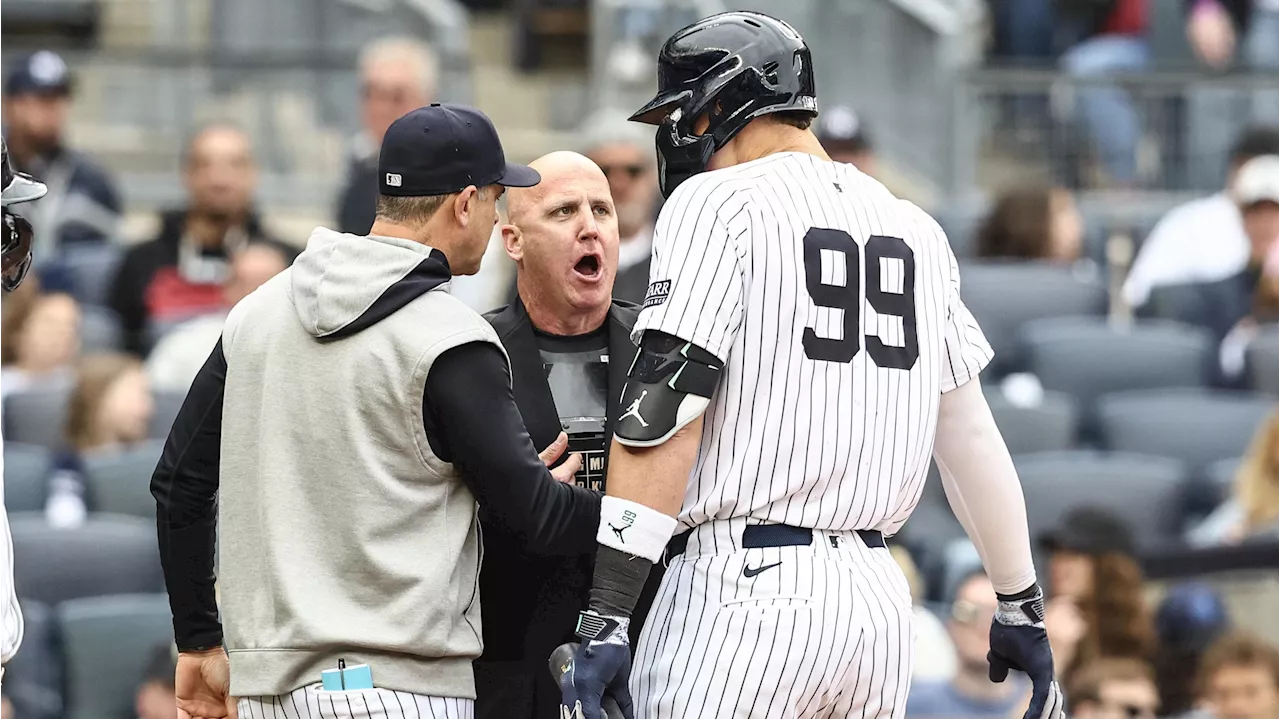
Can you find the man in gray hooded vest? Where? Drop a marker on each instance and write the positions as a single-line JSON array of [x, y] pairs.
[[348, 422]]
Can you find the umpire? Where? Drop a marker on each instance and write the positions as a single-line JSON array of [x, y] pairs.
[[353, 414], [570, 347]]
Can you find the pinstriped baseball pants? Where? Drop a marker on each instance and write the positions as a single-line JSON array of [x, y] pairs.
[[312, 702], [795, 632]]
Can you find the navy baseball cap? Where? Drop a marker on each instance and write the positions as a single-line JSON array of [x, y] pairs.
[[443, 148], [43, 73]]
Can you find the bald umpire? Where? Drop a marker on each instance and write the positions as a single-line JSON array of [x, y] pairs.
[[350, 419]]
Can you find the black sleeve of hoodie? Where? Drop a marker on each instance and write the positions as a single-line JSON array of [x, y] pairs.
[[185, 486], [471, 419]]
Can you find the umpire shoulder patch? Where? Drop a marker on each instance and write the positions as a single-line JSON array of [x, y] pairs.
[[657, 293]]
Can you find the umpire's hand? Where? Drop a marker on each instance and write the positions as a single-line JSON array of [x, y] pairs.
[[1018, 641]]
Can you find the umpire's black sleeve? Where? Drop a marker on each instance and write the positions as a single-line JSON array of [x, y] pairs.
[[185, 485], [471, 420]]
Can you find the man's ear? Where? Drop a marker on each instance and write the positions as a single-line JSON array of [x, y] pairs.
[[464, 204], [513, 241]]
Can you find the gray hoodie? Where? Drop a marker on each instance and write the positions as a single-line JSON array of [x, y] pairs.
[[341, 534]]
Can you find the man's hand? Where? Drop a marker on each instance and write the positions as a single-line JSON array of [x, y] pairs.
[[202, 685], [1211, 34], [601, 664], [564, 473], [1019, 641]]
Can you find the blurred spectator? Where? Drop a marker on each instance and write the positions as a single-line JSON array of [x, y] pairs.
[[39, 338], [970, 693], [1254, 505], [624, 151], [180, 274], [844, 136], [935, 658], [6, 708], [1112, 41], [397, 74], [83, 204], [1190, 618], [1091, 566], [1203, 240], [155, 698], [1238, 678], [1114, 689], [1033, 224], [110, 410], [182, 351], [1214, 27]]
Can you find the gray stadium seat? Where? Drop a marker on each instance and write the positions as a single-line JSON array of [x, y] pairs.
[[1087, 358], [108, 554], [99, 330], [37, 416], [1196, 427], [1222, 476], [107, 642], [33, 678], [120, 482], [1144, 490], [1049, 426], [961, 223], [1004, 296], [1264, 361], [26, 476], [167, 406]]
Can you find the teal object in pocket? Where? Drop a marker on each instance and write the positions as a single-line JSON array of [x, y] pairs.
[[347, 679]]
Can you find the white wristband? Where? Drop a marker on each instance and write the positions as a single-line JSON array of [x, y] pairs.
[[634, 528]]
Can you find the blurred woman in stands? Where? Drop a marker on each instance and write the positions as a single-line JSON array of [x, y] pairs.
[[39, 338], [1033, 224], [1254, 506], [1095, 582], [110, 410]]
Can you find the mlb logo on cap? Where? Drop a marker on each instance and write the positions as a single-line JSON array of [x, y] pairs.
[[393, 179]]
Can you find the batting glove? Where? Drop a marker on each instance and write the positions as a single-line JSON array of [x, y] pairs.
[[1019, 641], [601, 665]]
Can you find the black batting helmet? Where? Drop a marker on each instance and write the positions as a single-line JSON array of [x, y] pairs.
[[735, 66], [16, 187]]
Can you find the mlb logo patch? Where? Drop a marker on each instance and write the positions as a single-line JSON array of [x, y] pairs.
[[393, 180], [657, 293]]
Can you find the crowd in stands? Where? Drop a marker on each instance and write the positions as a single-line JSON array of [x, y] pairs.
[[105, 338]]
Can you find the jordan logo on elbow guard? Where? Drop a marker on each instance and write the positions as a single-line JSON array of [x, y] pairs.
[[634, 410]]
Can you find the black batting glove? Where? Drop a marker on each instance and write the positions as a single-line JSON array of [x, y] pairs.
[[1019, 641]]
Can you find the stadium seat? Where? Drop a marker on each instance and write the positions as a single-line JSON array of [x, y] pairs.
[[90, 269], [107, 643], [1004, 296], [961, 223], [26, 476], [1088, 358], [1046, 427], [1195, 426], [1264, 361], [33, 678], [37, 416], [108, 554], [99, 330], [1222, 476], [1145, 491], [120, 482], [167, 406]]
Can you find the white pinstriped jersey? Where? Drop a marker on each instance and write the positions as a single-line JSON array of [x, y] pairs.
[[836, 309], [10, 612]]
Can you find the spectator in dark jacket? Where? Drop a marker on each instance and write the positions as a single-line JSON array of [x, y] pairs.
[[82, 205], [397, 75], [180, 274]]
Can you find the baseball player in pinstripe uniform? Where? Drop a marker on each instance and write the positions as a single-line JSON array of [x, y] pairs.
[[803, 351], [14, 188]]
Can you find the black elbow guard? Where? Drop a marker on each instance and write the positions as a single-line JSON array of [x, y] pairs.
[[669, 385]]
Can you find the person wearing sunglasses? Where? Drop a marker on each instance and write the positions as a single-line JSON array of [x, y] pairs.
[[1114, 688], [16, 188]]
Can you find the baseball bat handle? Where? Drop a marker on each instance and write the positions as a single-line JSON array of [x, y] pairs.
[[562, 661]]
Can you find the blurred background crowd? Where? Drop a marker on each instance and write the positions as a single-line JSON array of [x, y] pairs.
[[1107, 172]]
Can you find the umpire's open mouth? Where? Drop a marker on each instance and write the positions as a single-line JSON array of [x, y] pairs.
[[589, 267]]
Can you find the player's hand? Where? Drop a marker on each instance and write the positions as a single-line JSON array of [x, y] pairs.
[[1019, 641], [202, 685], [564, 473], [600, 666]]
